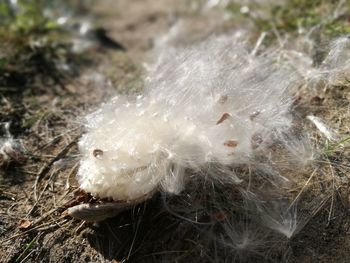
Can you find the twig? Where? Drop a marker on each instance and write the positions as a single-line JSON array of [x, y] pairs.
[[71, 172], [40, 227], [333, 188], [302, 190], [27, 248], [44, 170]]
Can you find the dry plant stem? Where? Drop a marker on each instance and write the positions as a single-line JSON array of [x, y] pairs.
[[54, 140], [97, 212], [73, 171], [44, 226], [28, 247], [80, 227], [42, 217], [302, 190], [46, 168], [313, 214], [333, 192], [36, 197]]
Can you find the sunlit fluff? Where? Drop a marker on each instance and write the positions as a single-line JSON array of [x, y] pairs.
[[205, 107]]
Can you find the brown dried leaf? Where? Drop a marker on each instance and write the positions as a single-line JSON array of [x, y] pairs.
[[24, 224]]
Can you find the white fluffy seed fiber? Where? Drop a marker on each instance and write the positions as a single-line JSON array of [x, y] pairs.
[[205, 107]]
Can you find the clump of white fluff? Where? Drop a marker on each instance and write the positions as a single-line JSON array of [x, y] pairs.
[[205, 107], [11, 150]]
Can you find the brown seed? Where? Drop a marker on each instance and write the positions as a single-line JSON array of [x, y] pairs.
[[97, 153], [231, 143], [223, 117], [220, 216]]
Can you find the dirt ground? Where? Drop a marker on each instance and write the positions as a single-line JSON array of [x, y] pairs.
[[34, 195]]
